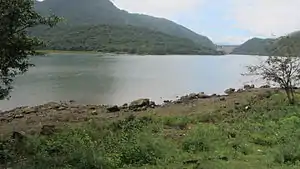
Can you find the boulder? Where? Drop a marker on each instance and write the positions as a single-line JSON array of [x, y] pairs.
[[94, 112], [230, 91], [240, 90], [222, 99], [112, 109], [18, 136], [192, 96], [139, 103], [48, 130], [203, 96], [265, 87], [124, 106], [29, 110], [18, 116], [248, 87], [152, 104]]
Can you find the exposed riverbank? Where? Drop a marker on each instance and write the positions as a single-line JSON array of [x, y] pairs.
[[245, 129]]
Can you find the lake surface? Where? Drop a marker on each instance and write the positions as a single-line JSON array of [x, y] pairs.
[[95, 79]]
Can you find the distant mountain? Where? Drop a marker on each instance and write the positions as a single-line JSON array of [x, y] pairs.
[[120, 39], [96, 12], [254, 46]]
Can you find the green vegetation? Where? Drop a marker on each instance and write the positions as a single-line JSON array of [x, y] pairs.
[[78, 13], [117, 39], [15, 44], [255, 46], [263, 136]]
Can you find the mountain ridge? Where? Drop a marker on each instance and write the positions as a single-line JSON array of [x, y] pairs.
[[96, 12]]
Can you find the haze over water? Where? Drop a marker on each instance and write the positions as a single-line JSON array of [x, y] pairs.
[[95, 79]]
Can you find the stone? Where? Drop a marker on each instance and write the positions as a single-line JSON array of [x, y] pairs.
[[192, 96], [203, 96], [247, 108], [18, 136], [214, 95], [248, 87], [61, 108], [265, 87], [29, 110], [152, 104], [48, 130], [167, 101], [18, 116], [139, 103], [222, 99], [237, 103], [94, 112], [113, 109], [240, 90], [230, 91]]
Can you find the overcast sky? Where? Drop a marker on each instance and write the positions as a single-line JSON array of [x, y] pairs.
[[224, 21]]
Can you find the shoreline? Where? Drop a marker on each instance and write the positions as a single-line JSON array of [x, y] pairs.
[[71, 112], [115, 53]]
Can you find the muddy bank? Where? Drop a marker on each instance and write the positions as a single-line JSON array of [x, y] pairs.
[[32, 120]]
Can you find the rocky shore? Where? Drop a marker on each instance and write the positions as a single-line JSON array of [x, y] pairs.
[[44, 118]]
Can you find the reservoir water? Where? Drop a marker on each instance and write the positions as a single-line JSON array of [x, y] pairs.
[[96, 79]]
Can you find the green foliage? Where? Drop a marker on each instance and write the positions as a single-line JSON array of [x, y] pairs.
[[120, 39], [266, 136], [104, 12], [254, 46], [15, 45]]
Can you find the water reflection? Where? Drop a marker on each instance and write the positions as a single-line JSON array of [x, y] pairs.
[[118, 79]]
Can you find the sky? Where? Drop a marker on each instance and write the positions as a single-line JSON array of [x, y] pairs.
[[224, 21]]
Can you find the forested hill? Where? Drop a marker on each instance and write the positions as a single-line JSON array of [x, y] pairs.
[[255, 46], [120, 39], [96, 12]]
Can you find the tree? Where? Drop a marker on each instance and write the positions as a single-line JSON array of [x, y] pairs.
[[16, 17], [283, 67]]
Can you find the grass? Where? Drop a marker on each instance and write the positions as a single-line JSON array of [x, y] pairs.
[[227, 137]]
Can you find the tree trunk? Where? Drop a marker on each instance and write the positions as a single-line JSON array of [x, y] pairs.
[[290, 95]]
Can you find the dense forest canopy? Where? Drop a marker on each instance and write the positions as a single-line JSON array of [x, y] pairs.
[[121, 39], [92, 14]]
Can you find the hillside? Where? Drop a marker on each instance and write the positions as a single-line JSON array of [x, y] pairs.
[[255, 46], [120, 39], [95, 12]]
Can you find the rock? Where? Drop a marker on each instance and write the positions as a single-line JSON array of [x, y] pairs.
[[61, 108], [152, 104], [112, 109], [18, 116], [192, 96], [29, 110], [240, 90], [230, 91], [248, 87], [94, 112], [124, 106], [222, 99], [48, 130], [18, 136], [236, 103], [203, 96], [139, 103], [71, 101], [265, 87], [167, 101], [247, 108], [214, 95]]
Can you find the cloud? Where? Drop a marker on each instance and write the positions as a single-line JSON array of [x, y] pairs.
[[159, 8], [266, 17]]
